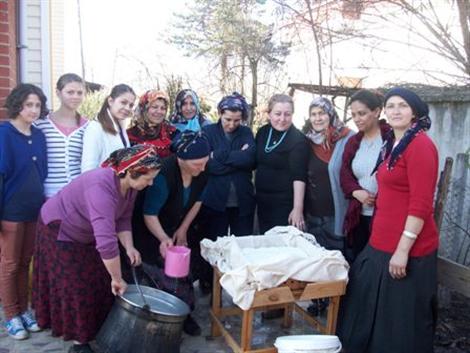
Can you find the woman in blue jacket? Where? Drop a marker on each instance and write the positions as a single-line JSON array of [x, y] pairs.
[[23, 169], [228, 201]]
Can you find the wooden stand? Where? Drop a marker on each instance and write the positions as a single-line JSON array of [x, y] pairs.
[[284, 296]]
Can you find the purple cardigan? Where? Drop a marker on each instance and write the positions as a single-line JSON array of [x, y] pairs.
[[349, 182], [92, 211]]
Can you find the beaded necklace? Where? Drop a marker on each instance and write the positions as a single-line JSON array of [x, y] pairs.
[[269, 149]]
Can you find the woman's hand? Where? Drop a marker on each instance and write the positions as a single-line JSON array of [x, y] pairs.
[[397, 265], [180, 237], [164, 245], [364, 197], [134, 256], [296, 218], [118, 286]]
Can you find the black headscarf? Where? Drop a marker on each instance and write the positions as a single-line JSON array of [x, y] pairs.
[[422, 123]]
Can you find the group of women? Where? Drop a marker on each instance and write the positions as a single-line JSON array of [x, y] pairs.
[[99, 196]]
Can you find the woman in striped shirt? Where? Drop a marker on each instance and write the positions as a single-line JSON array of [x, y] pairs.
[[64, 129]]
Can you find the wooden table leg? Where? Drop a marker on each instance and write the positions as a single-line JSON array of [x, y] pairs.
[[332, 316], [216, 302], [287, 320], [247, 330]]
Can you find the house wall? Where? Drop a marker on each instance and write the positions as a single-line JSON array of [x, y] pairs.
[[33, 43], [450, 131], [450, 128], [8, 57], [57, 29]]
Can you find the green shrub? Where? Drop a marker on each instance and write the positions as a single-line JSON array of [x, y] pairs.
[[92, 104]]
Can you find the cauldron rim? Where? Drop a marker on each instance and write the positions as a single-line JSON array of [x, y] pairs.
[[184, 309]]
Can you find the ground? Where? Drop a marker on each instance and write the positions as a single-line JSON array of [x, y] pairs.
[[452, 333]]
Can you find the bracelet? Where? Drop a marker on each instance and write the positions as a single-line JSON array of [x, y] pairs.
[[410, 235]]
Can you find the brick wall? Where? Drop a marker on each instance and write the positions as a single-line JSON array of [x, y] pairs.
[[8, 61]]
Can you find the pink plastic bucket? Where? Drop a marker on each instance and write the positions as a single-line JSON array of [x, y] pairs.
[[177, 261]]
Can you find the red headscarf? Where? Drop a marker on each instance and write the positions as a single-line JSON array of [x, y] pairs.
[[138, 159]]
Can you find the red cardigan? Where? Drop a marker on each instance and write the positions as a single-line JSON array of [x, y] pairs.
[[349, 182], [407, 189]]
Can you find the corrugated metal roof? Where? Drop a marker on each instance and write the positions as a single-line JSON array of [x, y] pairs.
[[430, 94]]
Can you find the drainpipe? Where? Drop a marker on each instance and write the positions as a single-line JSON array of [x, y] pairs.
[[22, 41], [46, 58]]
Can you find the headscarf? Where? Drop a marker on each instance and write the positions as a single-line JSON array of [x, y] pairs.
[[324, 141], [140, 125], [195, 123], [192, 145], [151, 96], [234, 102], [422, 123], [137, 159]]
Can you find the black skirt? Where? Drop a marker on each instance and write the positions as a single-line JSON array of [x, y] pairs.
[[382, 315]]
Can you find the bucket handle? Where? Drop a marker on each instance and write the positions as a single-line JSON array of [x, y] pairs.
[[134, 275]]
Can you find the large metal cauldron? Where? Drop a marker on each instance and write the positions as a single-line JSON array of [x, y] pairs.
[[132, 327]]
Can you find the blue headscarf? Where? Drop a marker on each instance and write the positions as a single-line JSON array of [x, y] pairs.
[[422, 123], [177, 118], [192, 145], [234, 102]]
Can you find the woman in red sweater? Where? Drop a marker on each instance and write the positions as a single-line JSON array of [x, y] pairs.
[[390, 304]]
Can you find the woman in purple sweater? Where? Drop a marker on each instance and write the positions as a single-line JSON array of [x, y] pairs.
[[76, 263]]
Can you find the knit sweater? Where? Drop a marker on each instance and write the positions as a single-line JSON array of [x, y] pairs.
[[407, 190], [339, 200], [99, 144], [230, 165], [92, 210], [64, 155], [18, 154], [349, 182]]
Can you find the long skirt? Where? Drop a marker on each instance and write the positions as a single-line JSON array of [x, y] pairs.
[[71, 287], [380, 314]]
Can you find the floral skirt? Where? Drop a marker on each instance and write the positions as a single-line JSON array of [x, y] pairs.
[[71, 287]]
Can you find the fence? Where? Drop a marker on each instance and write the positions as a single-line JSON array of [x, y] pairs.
[[455, 227], [453, 217]]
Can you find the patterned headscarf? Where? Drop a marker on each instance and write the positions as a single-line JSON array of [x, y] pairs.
[[192, 145], [137, 159], [329, 136], [422, 123], [151, 96], [324, 141], [140, 124], [234, 102], [177, 116]]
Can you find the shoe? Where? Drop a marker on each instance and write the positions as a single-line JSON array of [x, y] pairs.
[[272, 314], [191, 327], [318, 306], [205, 287], [29, 322], [81, 348], [16, 329]]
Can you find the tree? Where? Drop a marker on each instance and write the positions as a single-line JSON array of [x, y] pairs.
[[434, 28], [437, 34], [230, 32]]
